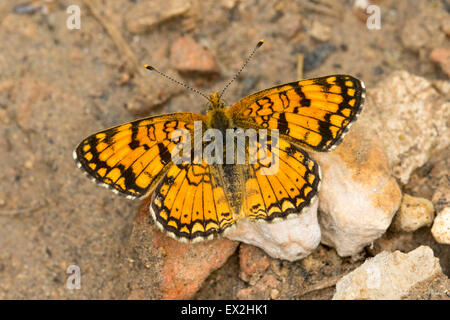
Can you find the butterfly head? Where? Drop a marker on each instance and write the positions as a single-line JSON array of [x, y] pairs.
[[215, 101]]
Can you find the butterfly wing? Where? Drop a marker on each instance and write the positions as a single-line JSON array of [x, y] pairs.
[[289, 188], [190, 203], [131, 158], [315, 113]]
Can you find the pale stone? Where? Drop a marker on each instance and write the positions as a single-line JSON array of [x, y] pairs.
[[359, 197], [389, 275], [441, 226], [290, 239], [414, 213], [411, 118], [320, 31]]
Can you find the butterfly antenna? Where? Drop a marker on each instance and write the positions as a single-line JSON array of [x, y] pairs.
[[259, 44], [176, 81]]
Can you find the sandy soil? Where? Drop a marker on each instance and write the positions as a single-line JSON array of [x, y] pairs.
[[59, 85]]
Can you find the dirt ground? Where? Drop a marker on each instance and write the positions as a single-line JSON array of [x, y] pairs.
[[59, 85]]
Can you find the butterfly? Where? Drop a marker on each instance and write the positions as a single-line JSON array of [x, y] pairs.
[[195, 200]]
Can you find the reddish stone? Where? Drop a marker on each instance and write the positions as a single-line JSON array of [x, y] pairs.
[[252, 259], [442, 57], [169, 269], [188, 56]]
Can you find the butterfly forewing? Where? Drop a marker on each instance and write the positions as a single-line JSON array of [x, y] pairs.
[[132, 157], [315, 113]]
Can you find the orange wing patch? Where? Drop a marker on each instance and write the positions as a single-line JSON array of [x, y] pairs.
[[315, 113], [189, 204], [131, 158]]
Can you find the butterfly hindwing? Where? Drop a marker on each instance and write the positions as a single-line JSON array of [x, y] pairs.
[[190, 203], [315, 113], [289, 188], [132, 157]]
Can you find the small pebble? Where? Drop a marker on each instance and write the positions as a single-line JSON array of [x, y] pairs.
[[274, 293], [441, 227], [29, 164], [414, 213], [188, 56], [320, 31]]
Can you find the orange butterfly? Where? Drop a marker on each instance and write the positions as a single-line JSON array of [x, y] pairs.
[[193, 201]]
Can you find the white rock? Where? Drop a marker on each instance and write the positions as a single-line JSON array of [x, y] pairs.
[[411, 119], [289, 239], [441, 226], [414, 213], [359, 196], [388, 275]]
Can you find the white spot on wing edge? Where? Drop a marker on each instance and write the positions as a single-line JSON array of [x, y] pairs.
[[197, 239], [362, 84], [75, 157]]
